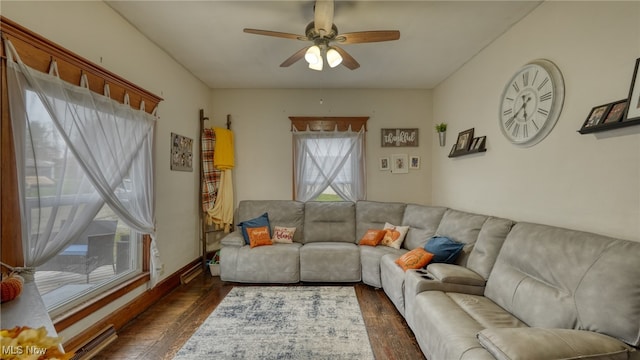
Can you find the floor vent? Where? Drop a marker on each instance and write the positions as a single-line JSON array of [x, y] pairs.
[[190, 274], [96, 344]]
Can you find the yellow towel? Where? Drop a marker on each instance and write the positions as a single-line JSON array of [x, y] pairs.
[[221, 215], [223, 152]]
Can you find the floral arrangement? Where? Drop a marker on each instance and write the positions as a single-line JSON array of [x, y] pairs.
[[25, 343], [442, 127]]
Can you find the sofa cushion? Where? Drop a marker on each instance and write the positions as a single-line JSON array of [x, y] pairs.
[[374, 214], [329, 222], [423, 222], [560, 278], [455, 274], [392, 279], [394, 235], [330, 262], [286, 213], [258, 222], [444, 250], [446, 324], [257, 265], [372, 237], [539, 343], [370, 257], [490, 239], [462, 227], [414, 259]]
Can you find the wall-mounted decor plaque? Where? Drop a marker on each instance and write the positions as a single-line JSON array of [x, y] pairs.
[[399, 137]]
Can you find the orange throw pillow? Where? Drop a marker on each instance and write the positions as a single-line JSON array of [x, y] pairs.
[[259, 236], [372, 237], [414, 259]]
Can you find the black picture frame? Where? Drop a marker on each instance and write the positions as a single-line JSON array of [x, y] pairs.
[[633, 107], [464, 140], [616, 112], [596, 115], [479, 143]]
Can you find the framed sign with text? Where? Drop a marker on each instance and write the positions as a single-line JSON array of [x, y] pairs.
[[399, 137]]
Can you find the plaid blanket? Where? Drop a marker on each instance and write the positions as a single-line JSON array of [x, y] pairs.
[[211, 176]]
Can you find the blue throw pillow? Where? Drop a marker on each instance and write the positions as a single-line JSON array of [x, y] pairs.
[[260, 221], [444, 250]]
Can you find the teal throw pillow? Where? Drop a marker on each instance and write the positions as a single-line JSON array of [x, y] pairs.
[[444, 250], [260, 221]]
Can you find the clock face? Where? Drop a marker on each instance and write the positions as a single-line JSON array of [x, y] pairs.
[[531, 103]]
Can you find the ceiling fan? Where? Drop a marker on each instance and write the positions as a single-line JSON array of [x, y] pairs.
[[323, 33]]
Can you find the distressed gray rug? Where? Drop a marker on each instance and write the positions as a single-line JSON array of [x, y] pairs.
[[298, 322]]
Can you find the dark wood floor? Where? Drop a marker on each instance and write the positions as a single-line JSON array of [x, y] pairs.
[[161, 330]]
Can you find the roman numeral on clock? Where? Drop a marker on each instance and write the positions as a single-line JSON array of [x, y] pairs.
[[543, 112], [507, 112], [509, 123], [546, 96], [516, 129], [516, 87], [525, 79], [543, 83]]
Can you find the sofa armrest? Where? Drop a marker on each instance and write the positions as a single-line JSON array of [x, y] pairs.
[[539, 343], [233, 239], [455, 274], [417, 281]]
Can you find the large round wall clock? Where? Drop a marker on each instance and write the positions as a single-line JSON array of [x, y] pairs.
[[531, 103]]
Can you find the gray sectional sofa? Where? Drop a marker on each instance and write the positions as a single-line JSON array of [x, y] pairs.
[[518, 290]]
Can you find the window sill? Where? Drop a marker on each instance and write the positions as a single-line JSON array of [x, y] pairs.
[[27, 310], [69, 318]]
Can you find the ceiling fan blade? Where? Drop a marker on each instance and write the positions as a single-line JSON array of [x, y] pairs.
[[368, 36], [323, 17], [347, 60], [276, 34], [295, 57]]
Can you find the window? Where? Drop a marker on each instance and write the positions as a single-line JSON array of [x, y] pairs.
[[329, 162], [79, 173], [104, 252]]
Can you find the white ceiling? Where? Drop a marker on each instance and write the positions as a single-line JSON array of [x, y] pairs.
[[436, 39]]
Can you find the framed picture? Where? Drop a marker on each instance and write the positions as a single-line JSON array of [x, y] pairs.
[[399, 163], [616, 112], [453, 150], [399, 137], [414, 162], [596, 115], [464, 140], [633, 108], [479, 143], [384, 164], [473, 143], [181, 153]]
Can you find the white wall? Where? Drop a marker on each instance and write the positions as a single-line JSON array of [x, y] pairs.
[[262, 130], [577, 181], [103, 37]]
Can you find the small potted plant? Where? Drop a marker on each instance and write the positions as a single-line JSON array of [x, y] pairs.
[[441, 129]]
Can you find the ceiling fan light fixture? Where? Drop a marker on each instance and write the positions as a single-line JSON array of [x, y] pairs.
[[312, 56], [317, 66], [333, 57]]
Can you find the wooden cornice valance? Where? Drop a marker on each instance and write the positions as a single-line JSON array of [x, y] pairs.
[[37, 52], [328, 123]]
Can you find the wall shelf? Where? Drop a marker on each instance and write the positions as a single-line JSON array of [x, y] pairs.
[[475, 146], [609, 126], [466, 152]]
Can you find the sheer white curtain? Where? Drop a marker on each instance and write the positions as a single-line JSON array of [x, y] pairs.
[[92, 143], [329, 158]]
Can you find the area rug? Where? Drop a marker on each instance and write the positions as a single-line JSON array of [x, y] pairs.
[[296, 322]]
